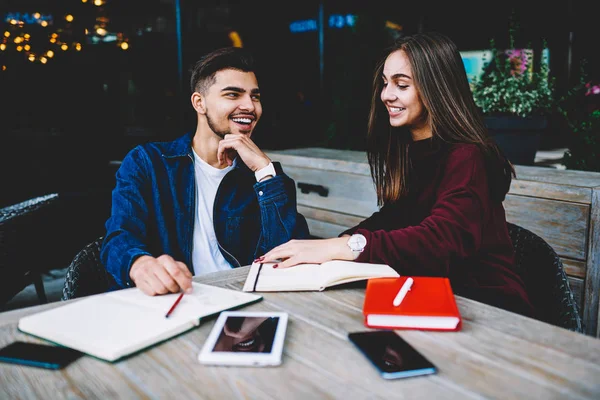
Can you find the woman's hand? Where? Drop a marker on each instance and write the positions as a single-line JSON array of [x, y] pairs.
[[312, 251]]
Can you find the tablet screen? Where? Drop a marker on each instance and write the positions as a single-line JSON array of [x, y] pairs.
[[247, 334], [245, 338]]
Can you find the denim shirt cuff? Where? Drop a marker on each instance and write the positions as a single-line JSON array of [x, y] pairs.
[[130, 257], [270, 188]]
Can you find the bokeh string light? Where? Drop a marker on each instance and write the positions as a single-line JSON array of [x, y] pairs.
[[37, 36]]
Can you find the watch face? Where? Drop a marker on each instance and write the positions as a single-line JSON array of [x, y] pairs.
[[357, 242]]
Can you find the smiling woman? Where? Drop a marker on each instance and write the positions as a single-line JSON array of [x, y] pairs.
[[439, 179], [401, 97]]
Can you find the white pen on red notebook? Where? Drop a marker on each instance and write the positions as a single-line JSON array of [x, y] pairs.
[[403, 291]]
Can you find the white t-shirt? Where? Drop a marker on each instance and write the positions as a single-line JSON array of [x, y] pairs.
[[206, 256]]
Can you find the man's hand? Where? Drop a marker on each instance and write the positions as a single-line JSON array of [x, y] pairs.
[[160, 275], [249, 152]]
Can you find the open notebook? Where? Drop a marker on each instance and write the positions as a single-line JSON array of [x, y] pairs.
[[312, 277], [113, 325]]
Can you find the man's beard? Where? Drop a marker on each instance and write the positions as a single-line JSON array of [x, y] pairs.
[[213, 127]]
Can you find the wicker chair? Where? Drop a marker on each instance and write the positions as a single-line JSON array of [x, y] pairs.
[[545, 279], [24, 245], [86, 275]]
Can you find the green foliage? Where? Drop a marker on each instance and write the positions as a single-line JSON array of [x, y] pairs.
[[581, 109], [584, 148], [510, 86]]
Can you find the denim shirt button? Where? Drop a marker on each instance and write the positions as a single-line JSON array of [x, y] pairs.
[[260, 192]]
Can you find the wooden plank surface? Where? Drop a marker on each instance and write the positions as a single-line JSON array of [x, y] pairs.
[[340, 219], [321, 229], [352, 161], [563, 225], [569, 177], [497, 354], [551, 191], [577, 287], [592, 284], [575, 268], [347, 193], [348, 161]]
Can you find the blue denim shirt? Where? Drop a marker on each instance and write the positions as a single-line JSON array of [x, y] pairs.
[[153, 210]]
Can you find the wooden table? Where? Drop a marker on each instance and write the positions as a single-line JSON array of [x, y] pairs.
[[497, 354]]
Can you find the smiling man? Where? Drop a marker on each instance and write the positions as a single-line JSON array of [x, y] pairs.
[[208, 201]]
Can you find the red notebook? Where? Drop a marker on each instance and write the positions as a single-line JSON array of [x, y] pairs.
[[428, 305]]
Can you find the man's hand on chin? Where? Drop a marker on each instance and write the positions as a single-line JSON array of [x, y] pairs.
[[249, 152]]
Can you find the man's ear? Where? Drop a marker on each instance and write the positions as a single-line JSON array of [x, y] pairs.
[[198, 103]]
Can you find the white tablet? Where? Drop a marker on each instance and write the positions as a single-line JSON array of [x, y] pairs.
[[245, 338]]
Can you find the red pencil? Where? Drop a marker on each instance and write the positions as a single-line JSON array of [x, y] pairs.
[[174, 305]]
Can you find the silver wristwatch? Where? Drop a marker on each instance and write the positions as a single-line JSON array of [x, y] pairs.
[[357, 243]]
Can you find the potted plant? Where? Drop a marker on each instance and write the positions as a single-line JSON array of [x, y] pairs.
[[583, 116], [515, 100]]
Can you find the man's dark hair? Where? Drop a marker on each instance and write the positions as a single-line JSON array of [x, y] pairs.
[[203, 72]]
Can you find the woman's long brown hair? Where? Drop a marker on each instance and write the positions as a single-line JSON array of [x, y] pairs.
[[441, 81]]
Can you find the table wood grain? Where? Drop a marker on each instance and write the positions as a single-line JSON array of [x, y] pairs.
[[496, 355]]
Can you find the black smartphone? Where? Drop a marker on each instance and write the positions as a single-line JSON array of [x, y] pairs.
[[38, 355], [391, 355]]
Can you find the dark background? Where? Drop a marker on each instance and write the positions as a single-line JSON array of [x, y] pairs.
[[64, 121]]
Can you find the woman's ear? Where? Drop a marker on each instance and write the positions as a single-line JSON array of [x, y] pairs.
[[198, 103]]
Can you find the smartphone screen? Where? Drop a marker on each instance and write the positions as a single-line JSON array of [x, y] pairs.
[[38, 355], [391, 355]]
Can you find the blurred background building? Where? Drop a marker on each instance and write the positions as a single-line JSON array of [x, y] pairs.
[[83, 81]]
